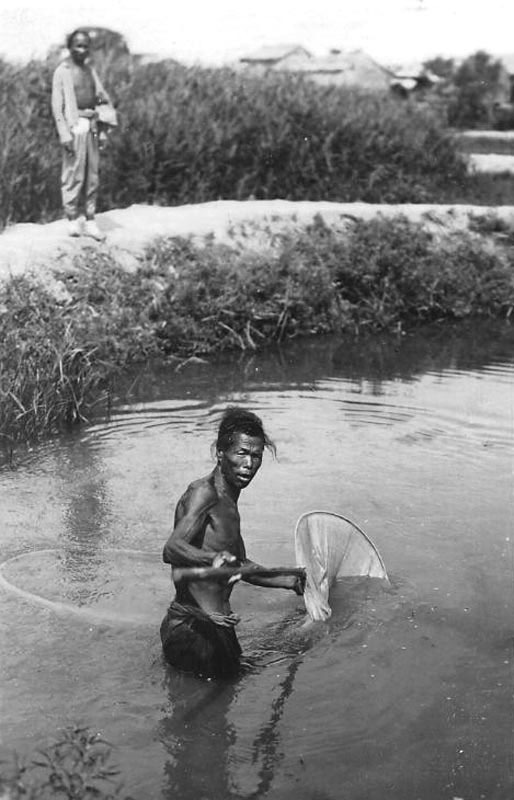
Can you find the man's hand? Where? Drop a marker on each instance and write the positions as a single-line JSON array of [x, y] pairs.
[[102, 140], [224, 558], [68, 148], [298, 584]]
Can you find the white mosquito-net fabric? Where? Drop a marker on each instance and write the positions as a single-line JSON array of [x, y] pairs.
[[329, 547]]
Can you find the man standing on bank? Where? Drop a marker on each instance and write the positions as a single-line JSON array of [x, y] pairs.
[[77, 96], [198, 632]]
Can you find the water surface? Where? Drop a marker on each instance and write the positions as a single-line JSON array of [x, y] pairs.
[[405, 694]]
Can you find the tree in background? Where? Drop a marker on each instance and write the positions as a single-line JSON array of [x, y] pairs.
[[442, 67], [479, 84], [440, 72]]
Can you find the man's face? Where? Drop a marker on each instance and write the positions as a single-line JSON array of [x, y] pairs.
[[79, 49], [240, 462]]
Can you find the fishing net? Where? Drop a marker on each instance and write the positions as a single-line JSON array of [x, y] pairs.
[[131, 586], [330, 546], [104, 585]]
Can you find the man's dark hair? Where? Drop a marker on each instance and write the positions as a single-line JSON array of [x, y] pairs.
[[238, 420], [71, 36]]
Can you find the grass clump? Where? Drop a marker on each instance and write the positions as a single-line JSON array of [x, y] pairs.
[[77, 767], [224, 299], [60, 356], [46, 374]]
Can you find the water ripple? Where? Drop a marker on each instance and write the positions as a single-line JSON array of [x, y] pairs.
[[454, 409]]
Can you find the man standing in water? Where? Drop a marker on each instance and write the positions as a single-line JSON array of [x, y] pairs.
[[76, 95], [198, 632]]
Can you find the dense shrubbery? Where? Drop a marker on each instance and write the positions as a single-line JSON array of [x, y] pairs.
[[380, 275], [199, 135], [29, 153], [57, 357], [190, 135]]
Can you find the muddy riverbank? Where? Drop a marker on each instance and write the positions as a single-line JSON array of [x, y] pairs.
[[47, 250], [197, 280]]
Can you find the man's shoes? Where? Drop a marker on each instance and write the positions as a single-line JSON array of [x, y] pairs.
[[74, 227], [92, 229]]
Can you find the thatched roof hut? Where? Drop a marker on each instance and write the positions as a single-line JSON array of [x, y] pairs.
[[353, 68], [271, 56]]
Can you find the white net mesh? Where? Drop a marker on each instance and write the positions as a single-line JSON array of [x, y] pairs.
[[329, 547]]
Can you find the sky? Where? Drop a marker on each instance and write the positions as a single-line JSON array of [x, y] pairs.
[[220, 31]]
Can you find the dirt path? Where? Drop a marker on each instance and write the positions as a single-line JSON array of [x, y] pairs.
[[491, 163], [47, 250]]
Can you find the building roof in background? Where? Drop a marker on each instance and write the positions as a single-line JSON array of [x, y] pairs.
[[275, 52], [355, 62], [412, 69], [413, 74]]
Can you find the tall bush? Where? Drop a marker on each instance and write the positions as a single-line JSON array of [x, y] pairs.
[[29, 155], [191, 135]]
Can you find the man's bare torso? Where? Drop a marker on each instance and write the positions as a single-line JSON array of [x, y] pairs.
[[220, 531], [84, 85]]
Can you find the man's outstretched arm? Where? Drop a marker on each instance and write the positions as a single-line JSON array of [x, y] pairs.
[[294, 582]]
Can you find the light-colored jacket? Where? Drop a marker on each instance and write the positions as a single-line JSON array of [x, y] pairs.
[[64, 102]]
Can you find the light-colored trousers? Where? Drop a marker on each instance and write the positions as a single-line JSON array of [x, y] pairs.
[[79, 176]]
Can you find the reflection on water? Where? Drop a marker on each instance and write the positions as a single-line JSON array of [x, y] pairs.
[[405, 693], [85, 513], [211, 725]]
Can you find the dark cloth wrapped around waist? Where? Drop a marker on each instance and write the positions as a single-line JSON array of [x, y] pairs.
[[182, 611], [201, 642]]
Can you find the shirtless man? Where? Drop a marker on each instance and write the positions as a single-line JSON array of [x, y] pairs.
[[198, 631], [76, 94]]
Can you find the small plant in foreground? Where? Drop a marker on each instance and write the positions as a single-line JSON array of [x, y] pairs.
[[77, 767]]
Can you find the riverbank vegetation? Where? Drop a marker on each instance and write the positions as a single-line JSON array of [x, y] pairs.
[[59, 355]]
